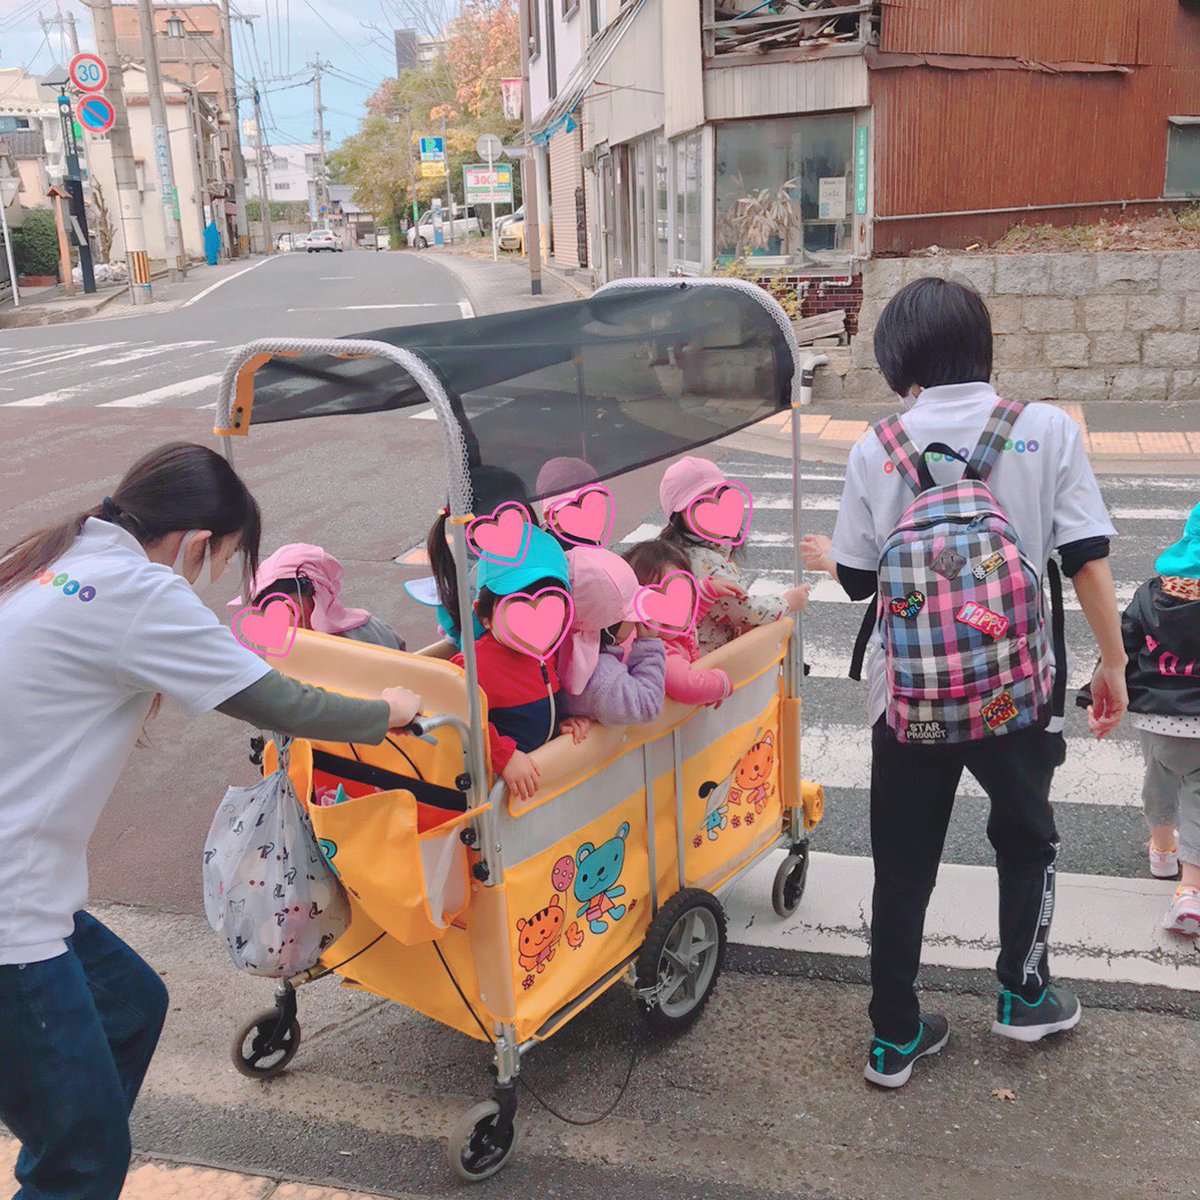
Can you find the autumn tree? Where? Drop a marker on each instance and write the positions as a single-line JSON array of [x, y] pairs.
[[484, 47]]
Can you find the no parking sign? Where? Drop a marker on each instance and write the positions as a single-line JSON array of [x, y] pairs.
[[95, 114]]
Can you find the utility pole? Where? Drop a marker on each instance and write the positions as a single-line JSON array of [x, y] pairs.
[[235, 133], [529, 190], [124, 168], [264, 201], [446, 168], [63, 22], [322, 184], [160, 132]]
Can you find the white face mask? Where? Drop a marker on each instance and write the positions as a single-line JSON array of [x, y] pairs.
[[184, 546]]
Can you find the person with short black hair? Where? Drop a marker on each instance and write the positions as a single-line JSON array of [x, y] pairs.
[[933, 343]]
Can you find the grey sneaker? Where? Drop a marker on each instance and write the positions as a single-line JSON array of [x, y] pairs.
[[1054, 1011], [890, 1066]]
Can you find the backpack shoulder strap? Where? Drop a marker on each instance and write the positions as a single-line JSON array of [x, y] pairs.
[[995, 433], [900, 450]]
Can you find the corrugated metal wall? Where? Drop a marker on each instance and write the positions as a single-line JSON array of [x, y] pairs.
[[949, 140], [816, 85], [566, 174]]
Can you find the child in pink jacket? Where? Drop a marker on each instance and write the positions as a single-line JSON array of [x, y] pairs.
[[653, 561]]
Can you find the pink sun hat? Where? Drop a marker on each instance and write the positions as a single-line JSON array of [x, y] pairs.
[[603, 587], [685, 481]]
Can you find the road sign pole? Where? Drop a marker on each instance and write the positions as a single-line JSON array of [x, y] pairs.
[[492, 184], [74, 186], [446, 168]]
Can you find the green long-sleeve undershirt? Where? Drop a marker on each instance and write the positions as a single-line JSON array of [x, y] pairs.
[[283, 705]]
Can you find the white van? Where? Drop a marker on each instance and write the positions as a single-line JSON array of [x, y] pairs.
[[466, 224]]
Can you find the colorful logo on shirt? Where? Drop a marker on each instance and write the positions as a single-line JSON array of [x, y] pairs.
[[908, 606], [980, 617], [999, 711], [993, 562], [69, 586], [1019, 446], [269, 627]]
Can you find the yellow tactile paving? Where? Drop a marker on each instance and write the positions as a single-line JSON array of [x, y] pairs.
[[1163, 443], [152, 1181], [1076, 413], [416, 558], [302, 1191], [844, 431], [812, 423], [1114, 443], [1193, 441]]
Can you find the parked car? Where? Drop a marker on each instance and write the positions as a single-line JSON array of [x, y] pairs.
[[322, 239], [367, 240], [512, 236], [466, 224], [503, 222]]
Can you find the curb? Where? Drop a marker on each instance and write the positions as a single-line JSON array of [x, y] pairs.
[[42, 318]]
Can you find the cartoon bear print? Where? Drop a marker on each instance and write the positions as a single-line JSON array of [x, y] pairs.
[[540, 935], [750, 781], [596, 880]]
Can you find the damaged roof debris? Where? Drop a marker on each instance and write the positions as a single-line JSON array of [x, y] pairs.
[[761, 26]]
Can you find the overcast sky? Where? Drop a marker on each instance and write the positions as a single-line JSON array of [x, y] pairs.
[[288, 34]]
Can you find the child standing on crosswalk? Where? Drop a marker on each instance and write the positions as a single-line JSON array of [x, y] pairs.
[[1161, 627]]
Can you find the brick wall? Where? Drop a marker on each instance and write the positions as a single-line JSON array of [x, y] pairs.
[[1069, 327]]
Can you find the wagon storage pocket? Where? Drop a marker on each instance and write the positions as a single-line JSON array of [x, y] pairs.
[[404, 862]]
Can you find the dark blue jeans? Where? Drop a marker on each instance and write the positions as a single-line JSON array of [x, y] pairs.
[[77, 1033]]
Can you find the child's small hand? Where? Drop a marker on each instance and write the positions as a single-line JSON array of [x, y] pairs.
[[721, 588], [577, 727], [796, 598], [522, 776], [814, 549], [645, 631]]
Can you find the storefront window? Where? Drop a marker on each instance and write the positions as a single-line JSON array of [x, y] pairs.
[[785, 187], [686, 184], [662, 205]]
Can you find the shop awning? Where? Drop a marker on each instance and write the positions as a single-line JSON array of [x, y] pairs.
[[562, 112]]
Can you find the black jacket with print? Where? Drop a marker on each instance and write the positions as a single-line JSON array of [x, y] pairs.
[[1162, 640]]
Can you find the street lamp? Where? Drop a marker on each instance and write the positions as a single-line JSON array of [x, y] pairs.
[[10, 185]]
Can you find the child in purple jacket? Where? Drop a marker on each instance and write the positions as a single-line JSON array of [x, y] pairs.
[[598, 680]]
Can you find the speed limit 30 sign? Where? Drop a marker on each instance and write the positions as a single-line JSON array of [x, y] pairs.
[[88, 72]]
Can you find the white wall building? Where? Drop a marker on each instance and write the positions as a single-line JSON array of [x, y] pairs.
[[292, 172]]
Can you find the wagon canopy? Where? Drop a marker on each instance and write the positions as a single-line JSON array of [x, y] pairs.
[[623, 379]]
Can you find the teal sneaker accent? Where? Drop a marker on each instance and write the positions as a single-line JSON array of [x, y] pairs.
[[1054, 1011], [890, 1065]]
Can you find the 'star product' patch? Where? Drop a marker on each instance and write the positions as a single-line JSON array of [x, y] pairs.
[[999, 710], [926, 731], [993, 562], [948, 564]]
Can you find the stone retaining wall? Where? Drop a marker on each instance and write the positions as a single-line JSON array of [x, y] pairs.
[[1069, 327]]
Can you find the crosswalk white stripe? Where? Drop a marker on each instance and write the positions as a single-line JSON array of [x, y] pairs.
[[1106, 773], [1149, 514], [1105, 929], [171, 391], [61, 356]]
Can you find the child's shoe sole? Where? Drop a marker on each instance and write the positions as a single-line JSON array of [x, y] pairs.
[[900, 1078], [1186, 925], [1035, 1033]]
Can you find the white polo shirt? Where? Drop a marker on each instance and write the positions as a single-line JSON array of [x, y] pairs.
[[83, 651], [1042, 479]]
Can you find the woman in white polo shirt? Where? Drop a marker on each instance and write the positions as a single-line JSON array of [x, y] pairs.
[[98, 621]]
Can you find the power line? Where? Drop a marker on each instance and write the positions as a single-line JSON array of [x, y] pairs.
[[21, 15], [341, 37]]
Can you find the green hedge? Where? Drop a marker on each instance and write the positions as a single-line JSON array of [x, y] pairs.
[[35, 243]]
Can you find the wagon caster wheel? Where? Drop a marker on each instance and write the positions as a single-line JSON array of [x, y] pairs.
[[681, 959], [480, 1143], [258, 1053], [790, 881]]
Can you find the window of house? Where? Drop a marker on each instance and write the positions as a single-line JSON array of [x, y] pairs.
[[570, 8], [784, 187], [686, 189], [594, 17], [534, 32], [551, 66], [1183, 157], [281, 187]]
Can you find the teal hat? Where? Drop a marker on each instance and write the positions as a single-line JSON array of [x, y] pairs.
[[543, 560], [1182, 560]]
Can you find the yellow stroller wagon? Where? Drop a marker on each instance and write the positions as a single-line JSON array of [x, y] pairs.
[[500, 917]]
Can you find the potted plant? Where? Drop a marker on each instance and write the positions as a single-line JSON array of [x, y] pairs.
[[760, 222]]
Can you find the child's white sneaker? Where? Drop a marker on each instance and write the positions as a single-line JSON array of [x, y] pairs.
[[1164, 864], [1184, 914]]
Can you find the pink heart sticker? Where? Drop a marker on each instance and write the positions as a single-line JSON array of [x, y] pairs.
[[534, 624], [268, 628], [585, 518], [502, 537], [670, 606], [722, 514]]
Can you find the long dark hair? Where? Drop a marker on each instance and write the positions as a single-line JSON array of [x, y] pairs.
[[176, 487], [653, 559], [492, 486], [676, 533]]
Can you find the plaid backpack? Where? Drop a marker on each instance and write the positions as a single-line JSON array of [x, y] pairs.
[[959, 607]]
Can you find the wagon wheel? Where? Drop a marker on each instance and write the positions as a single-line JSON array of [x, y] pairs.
[[790, 881], [261, 1049], [480, 1144], [681, 959]]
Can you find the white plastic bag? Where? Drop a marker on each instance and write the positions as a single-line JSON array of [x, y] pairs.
[[267, 887]]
